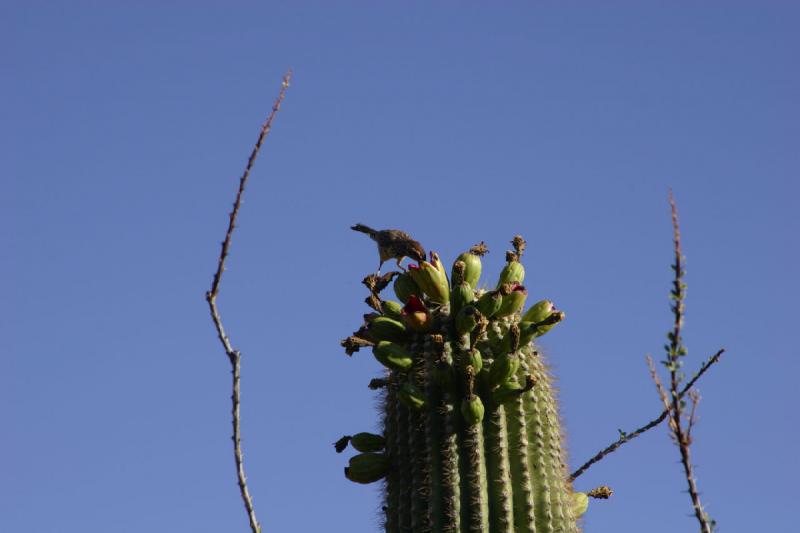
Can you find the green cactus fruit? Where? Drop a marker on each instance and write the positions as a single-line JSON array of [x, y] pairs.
[[538, 311], [437, 263], [472, 410], [392, 356], [367, 467], [405, 286], [503, 368], [467, 319], [472, 268], [431, 280], [513, 272], [544, 317], [410, 395], [580, 502], [367, 442], [513, 302], [555, 318], [383, 328], [461, 296], [489, 303], [392, 309], [475, 360]]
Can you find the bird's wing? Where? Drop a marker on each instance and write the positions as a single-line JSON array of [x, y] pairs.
[[401, 236]]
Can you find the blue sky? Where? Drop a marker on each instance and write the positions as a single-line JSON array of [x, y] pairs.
[[124, 129]]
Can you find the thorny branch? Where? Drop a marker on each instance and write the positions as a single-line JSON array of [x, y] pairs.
[[672, 408], [675, 350], [235, 356], [628, 436]]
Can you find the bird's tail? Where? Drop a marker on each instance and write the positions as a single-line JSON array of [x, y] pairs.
[[364, 229]]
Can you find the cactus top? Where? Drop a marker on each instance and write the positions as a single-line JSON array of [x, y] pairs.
[[471, 436]]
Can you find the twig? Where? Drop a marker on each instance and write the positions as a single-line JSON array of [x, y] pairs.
[[662, 393], [235, 356], [694, 397], [675, 350], [628, 436]]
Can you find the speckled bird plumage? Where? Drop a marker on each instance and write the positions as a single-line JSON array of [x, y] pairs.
[[393, 244]]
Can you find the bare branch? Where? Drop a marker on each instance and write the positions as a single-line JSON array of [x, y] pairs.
[[694, 397], [675, 350], [662, 393], [628, 436], [674, 402], [234, 356]]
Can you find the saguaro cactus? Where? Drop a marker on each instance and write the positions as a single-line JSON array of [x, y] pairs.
[[471, 433]]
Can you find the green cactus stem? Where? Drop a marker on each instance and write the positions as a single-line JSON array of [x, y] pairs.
[[471, 428]]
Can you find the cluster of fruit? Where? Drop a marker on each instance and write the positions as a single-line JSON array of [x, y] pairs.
[[471, 432]]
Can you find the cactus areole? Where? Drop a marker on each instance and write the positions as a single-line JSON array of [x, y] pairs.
[[471, 438]]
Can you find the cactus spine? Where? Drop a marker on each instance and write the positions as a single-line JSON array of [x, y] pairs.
[[472, 436]]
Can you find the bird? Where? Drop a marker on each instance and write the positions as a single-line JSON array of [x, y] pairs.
[[393, 244]]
